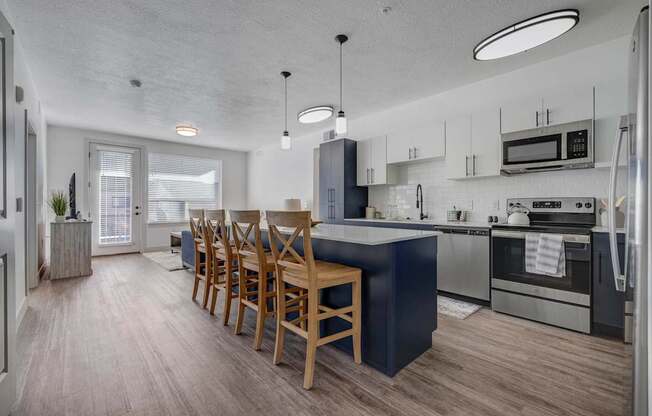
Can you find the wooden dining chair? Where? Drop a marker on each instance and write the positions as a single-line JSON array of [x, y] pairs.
[[224, 262], [294, 270], [256, 271], [202, 267]]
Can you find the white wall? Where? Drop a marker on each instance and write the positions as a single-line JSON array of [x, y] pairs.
[[68, 153], [274, 174]]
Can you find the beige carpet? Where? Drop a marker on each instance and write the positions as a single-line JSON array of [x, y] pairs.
[[169, 261]]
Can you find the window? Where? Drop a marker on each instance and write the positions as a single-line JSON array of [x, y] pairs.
[[115, 187], [177, 183]]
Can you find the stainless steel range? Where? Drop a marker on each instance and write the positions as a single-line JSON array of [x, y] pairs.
[[518, 288]]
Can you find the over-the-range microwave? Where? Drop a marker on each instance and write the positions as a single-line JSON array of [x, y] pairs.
[[563, 146]]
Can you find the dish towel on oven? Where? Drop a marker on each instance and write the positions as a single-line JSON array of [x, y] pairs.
[[545, 254]]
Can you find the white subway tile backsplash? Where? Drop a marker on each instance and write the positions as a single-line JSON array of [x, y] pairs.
[[481, 196]]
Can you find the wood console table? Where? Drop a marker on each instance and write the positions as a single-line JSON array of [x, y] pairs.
[[70, 249]]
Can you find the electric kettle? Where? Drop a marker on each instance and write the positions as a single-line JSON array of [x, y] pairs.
[[518, 215]]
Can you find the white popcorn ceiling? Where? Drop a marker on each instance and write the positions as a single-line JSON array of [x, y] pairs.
[[216, 64]]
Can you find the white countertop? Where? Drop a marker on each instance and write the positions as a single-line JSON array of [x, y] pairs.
[[365, 235], [469, 224], [604, 229]]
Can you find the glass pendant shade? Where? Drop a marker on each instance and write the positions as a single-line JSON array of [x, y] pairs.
[[286, 141], [340, 124]]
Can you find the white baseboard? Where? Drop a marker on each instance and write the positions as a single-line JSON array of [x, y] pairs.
[[20, 313], [159, 248]]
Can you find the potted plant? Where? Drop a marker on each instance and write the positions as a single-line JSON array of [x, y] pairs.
[[58, 202]]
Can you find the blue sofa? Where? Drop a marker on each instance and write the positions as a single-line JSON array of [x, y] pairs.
[[188, 250]]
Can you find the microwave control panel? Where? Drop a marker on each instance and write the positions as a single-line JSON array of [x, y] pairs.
[[577, 144]]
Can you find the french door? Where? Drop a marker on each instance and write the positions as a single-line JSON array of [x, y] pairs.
[[116, 202], [8, 223]]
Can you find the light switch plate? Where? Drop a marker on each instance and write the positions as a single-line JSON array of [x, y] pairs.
[[19, 204]]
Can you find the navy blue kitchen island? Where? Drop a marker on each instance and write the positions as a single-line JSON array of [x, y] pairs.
[[399, 285]]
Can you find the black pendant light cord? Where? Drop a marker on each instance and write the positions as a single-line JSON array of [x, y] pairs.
[[341, 77], [341, 39], [285, 75]]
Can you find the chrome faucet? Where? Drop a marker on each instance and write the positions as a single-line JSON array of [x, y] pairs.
[[420, 202]]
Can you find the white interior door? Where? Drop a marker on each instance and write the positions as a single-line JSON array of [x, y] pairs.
[[116, 202], [8, 170]]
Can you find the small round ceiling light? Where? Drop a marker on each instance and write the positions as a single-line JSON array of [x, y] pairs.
[[315, 114], [526, 35], [186, 130]]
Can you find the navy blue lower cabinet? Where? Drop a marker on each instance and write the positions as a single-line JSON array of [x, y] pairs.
[[399, 306], [608, 304]]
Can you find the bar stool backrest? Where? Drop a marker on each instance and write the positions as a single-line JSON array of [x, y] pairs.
[[295, 224]]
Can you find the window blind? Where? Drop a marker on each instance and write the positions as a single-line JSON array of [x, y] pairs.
[[177, 183], [115, 176]]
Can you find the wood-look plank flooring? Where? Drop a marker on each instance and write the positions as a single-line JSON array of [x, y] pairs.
[[129, 341]]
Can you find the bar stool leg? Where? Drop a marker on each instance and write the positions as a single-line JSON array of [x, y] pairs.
[[280, 329], [195, 288], [357, 322], [262, 310], [228, 293], [313, 336], [241, 306]]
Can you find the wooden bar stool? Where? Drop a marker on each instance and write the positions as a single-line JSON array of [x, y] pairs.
[[223, 260], [308, 274], [254, 289], [202, 268]]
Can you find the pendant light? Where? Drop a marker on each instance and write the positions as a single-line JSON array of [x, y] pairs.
[[286, 140], [340, 121], [526, 35]]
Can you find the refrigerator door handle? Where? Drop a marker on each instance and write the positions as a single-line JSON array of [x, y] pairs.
[[619, 272]]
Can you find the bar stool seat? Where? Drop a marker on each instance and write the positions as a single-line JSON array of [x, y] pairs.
[[328, 274]]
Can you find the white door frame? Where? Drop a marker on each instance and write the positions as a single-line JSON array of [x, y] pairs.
[[7, 221], [138, 225], [31, 207]]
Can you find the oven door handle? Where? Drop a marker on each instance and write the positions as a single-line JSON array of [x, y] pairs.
[[568, 238], [619, 272]]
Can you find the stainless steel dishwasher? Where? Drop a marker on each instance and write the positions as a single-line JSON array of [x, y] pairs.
[[463, 266]]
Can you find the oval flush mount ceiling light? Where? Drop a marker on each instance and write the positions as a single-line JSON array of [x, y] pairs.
[[526, 35], [315, 114], [186, 130]]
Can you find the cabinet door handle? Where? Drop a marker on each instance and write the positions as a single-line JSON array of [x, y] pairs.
[[474, 157], [410, 152], [466, 166], [547, 116], [600, 268], [367, 176], [415, 152], [537, 118]]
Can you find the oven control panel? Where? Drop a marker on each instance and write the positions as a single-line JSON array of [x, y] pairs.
[[576, 205], [577, 144]]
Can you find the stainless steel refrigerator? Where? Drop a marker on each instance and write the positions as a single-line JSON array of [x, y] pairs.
[[632, 276]]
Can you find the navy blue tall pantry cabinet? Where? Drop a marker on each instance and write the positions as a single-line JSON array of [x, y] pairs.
[[339, 197]]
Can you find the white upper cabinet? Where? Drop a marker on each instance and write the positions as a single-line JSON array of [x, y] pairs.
[[458, 146], [554, 108], [485, 143], [420, 143], [521, 115], [568, 106], [473, 145], [372, 165]]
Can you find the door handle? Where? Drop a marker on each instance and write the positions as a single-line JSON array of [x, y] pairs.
[[367, 176], [415, 152], [600, 268], [466, 166], [536, 115], [474, 157], [410, 152], [547, 116], [619, 272]]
